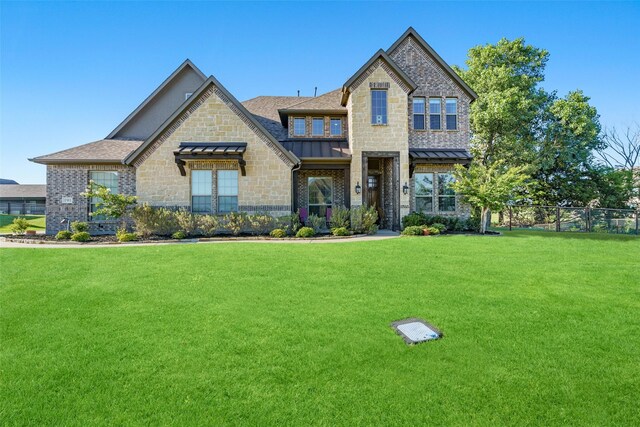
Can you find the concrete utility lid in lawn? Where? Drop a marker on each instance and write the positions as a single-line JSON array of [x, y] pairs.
[[415, 331]]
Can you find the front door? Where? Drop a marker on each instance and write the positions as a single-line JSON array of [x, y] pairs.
[[374, 195]]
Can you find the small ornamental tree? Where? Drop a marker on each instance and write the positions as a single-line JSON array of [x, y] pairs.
[[488, 187], [116, 206]]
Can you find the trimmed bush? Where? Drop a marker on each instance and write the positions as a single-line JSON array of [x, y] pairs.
[[261, 223], [278, 233], [179, 235], [305, 232], [440, 227], [149, 220], [186, 221], [81, 236], [236, 222], [472, 224], [414, 219], [340, 231], [413, 230], [433, 231], [209, 225], [363, 220], [289, 223], [316, 222], [19, 225], [123, 236], [79, 226], [339, 217], [63, 235]]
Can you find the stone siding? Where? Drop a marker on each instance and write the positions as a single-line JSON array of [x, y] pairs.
[[432, 82], [214, 119], [70, 181]]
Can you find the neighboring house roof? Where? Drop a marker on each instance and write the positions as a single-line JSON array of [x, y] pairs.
[[413, 33], [187, 64], [211, 81], [102, 151], [7, 181], [308, 149], [265, 110], [24, 191], [382, 55]]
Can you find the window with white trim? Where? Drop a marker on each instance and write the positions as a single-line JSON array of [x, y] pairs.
[[435, 110], [451, 108], [108, 179], [201, 189], [424, 192], [299, 127], [227, 191]]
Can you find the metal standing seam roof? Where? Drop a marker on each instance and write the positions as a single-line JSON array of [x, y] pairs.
[[319, 149], [210, 148], [439, 154]]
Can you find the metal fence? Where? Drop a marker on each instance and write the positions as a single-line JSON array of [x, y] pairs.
[[586, 220]]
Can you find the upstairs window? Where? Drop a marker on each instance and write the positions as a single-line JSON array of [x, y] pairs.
[[336, 127], [317, 127], [109, 180], [418, 113], [227, 191], [201, 191], [379, 107], [435, 110], [299, 127], [452, 113]]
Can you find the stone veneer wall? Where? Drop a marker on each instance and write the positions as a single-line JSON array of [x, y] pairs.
[[213, 118], [462, 209], [364, 136], [70, 181], [432, 81], [338, 186]]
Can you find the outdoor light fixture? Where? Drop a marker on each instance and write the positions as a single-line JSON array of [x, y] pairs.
[[358, 188], [405, 188]]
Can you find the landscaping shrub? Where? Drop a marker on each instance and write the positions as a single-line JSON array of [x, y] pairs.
[[339, 217], [80, 236], [305, 232], [186, 221], [316, 222], [63, 235], [472, 224], [261, 223], [413, 230], [149, 220], [124, 236], [179, 235], [414, 219], [19, 225], [449, 222], [340, 231], [289, 223], [440, 227], [278, 233], [79, 226], [363, 220], [209, 225], [236, 222], [433, 230]]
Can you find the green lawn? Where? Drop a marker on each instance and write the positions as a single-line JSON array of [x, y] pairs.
[[540, 329], [37, 222]]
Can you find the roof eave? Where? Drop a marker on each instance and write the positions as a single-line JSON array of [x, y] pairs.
[[76, 161]]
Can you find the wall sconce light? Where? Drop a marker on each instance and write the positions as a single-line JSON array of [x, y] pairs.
[[405, 188], [358, 188]]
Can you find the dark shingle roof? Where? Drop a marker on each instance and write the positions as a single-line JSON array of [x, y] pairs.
[[265, 110], [102, 151], [329, 101], [24, 191]]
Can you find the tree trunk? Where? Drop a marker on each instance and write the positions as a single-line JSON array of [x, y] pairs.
[[483, 220]]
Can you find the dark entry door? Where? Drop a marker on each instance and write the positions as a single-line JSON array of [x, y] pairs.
[[374, 195]]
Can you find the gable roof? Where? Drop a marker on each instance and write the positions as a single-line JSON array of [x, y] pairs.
[[265, 110], [186, 64], [422, 43], [380, 54], [102, 151], [211, 81]]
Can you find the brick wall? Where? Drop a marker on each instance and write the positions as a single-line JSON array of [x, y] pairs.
[[338, 186]]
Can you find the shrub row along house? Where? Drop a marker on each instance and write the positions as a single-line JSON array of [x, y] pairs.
[[388, 138]]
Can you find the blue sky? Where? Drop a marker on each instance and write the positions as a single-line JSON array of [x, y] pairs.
[[70, 72]]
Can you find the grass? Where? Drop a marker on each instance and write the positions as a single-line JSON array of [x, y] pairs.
[[37, 222], [540, 329]]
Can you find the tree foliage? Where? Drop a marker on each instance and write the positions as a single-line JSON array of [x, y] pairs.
[[489, 187], [110, 205]]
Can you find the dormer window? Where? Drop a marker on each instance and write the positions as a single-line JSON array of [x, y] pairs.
[[378, 107], [299, 128], [336, 127], [317, 126]]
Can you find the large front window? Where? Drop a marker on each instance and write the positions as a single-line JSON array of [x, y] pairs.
[[108, 179], [379, 107], [424, 192], [227, 191], [320, 195], [446, 194], [201, 191]]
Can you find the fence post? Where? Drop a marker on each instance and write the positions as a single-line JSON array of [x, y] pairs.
[[637, 211], [557, 218], [511, 219], [588, 210]]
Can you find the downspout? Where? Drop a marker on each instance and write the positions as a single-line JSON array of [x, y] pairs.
[[295, 168]]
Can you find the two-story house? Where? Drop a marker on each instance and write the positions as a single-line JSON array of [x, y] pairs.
[[388, 138]]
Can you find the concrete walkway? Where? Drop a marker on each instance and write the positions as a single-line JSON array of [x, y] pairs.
[[380, 235]]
